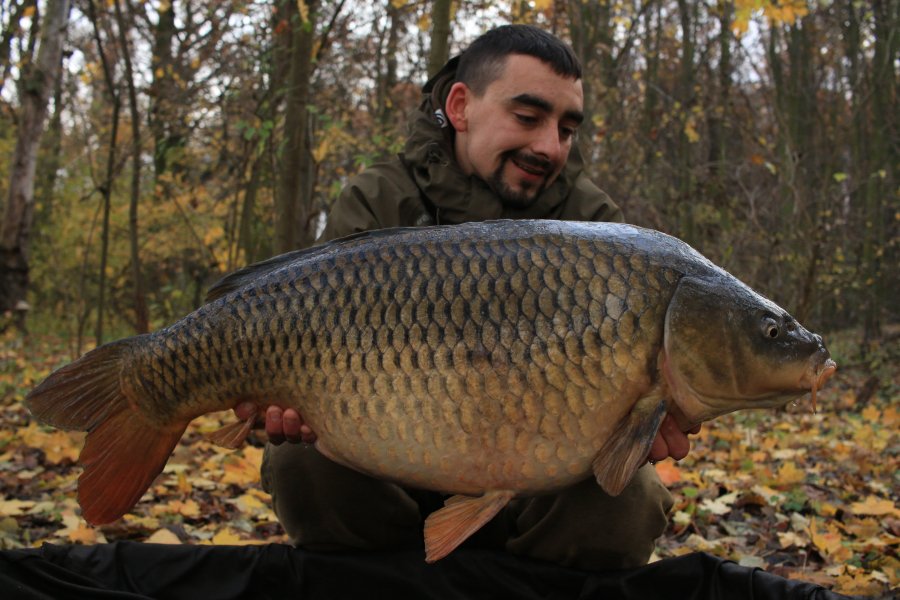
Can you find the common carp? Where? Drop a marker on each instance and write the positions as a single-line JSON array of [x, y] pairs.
[[485, 360]]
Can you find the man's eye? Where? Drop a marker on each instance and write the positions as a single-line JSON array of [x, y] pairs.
[[567, 133], [526, 119]]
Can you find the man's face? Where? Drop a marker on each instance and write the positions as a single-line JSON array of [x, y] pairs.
[[517, 135]]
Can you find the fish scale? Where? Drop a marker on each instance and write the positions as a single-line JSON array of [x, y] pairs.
[[487, 360]]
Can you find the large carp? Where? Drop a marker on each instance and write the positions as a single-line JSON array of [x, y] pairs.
[[487, 360]]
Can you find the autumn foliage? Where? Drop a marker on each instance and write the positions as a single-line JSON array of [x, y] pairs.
[[186, 139]]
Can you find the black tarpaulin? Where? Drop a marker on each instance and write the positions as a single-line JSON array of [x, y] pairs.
[[135, 570]]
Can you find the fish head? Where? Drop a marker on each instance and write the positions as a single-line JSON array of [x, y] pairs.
[[727, 348]]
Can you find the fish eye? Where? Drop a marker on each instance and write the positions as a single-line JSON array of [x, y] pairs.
[[770, 328]]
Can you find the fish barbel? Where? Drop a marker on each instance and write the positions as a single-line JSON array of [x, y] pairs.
[[486, 360]]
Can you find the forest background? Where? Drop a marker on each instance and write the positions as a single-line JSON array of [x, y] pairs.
[[149, 147]]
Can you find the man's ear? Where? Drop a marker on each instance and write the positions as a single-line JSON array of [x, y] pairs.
[[457, 100]]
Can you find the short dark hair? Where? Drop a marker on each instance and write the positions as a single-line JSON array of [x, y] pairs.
[[483, 61]]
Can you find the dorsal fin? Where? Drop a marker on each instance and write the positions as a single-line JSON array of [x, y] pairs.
[[248, 274], [245, 275], [241, 277]]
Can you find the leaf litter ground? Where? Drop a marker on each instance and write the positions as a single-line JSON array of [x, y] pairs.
[[805, 496]]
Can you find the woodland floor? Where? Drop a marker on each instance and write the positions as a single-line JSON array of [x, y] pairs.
[[805, 496]]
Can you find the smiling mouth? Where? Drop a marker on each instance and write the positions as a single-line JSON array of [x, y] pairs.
[[537, 172], [532, 166]]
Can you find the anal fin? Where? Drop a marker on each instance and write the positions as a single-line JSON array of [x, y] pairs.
[[447, 528], [628, 447]]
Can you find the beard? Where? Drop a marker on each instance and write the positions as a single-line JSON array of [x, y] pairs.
[[528, 193]]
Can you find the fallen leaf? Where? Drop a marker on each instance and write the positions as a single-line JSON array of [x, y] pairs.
[[163, 536], [14, 508], [789, 474], [721, 505], [668, 472], [874, 506]]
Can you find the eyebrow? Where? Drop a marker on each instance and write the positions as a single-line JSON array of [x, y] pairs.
[[546, 106]]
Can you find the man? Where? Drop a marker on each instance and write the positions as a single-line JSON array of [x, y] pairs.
[[493, 138]]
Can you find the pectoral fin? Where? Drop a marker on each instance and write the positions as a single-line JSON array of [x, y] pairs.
[[447, 528], [627, 449], [234, 435]]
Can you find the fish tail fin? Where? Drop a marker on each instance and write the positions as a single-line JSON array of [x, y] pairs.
[[123, 452]]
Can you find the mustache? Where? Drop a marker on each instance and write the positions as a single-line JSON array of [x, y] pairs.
[[530, 160]]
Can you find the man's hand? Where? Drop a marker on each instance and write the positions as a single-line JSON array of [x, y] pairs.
[[281, 425], [671, 441]]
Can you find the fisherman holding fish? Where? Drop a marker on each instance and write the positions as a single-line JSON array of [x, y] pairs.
[[494, 138], [520, 365]]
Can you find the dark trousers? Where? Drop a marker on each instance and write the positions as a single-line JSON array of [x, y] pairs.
[[327, 507]]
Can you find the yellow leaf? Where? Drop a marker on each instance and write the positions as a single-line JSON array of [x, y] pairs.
[[14, 508], [242, 470], [691, 132], [230, 537], [188, 508], [543, 5], [858, 585], [789, 474], [790, 538], [163, 536], [829, 542], [57, 445], [874, 506], [871, 414], [184, 486], [83, 534], [28, 12], [322, 150]]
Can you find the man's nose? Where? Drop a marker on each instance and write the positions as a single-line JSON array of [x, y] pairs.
[[547, 143]]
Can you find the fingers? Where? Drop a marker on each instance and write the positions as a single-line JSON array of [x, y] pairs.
[[287, 425], [659, 450], [275, 425], [676, 440], [671, 441]]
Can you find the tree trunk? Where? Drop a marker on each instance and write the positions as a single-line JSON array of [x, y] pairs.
[[291, 214], [38, 80], [163, 93], [107, 185], [387, 76], [141, 317], [685, 96], [49, 158], [440, 35]]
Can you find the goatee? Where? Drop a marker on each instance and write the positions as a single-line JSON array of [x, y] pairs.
[[528, 194]]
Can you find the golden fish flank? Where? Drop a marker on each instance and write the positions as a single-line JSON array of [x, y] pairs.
[[486, 360]]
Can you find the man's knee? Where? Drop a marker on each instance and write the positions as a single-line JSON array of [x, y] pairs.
[[584, 527], [325, 506]]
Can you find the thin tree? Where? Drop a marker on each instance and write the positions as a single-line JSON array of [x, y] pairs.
[[37, 82], [141, 318]]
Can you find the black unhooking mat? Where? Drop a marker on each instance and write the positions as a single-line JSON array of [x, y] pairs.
[[134, 570]]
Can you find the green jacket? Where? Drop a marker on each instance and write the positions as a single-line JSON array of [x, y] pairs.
[[425, 186]]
